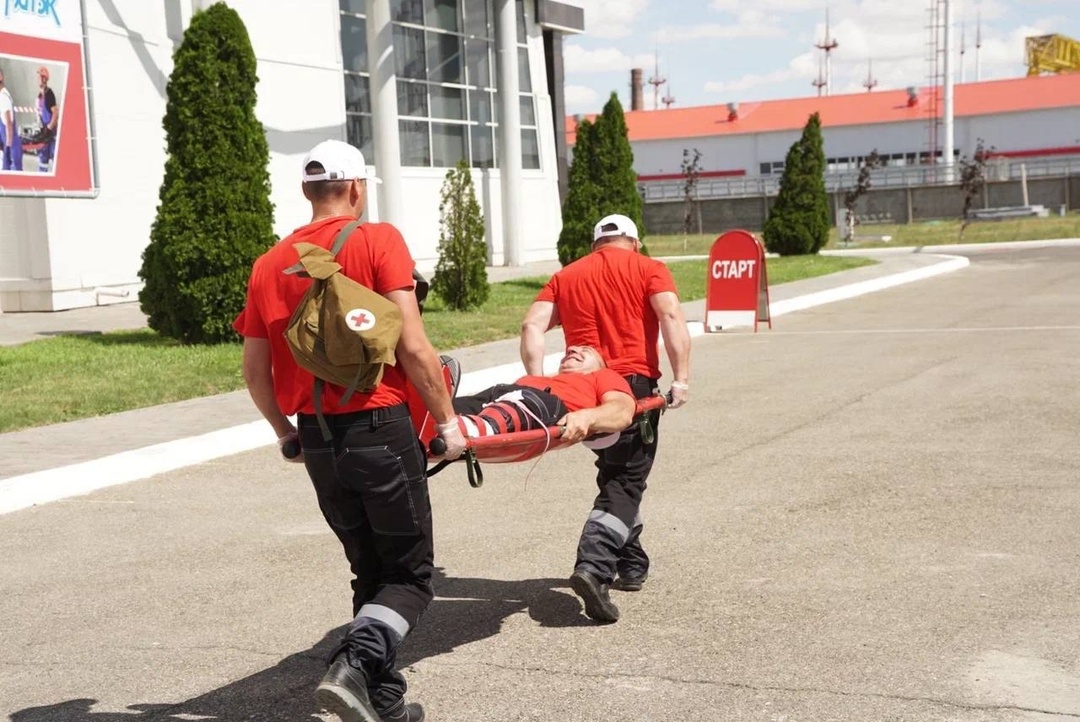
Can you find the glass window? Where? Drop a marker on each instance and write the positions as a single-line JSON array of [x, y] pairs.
[[407, 11], [409, 52], [477, 22], [358, 131], [480, 107], [357, 94], [447, 144], [441, 14], [447, 102], [354, 43], [444, 57], [483, 147], [520, 11], [353, 6], [415, 143], [478, 63], [528, 114], [412, 99], [530, 149], [524, 77]]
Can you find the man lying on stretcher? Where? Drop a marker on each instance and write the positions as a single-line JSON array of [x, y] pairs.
[[584, 398]]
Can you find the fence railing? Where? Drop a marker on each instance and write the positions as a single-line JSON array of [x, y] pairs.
[[998, 169]]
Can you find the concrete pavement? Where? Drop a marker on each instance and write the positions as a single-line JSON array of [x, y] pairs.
[[867, 513]]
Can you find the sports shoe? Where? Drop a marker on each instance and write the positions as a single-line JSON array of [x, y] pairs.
[[453, 367], [630, 582], [411, 712], [594, 593], [343, 691]]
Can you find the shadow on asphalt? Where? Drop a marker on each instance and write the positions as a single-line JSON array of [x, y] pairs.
[[466, 610]]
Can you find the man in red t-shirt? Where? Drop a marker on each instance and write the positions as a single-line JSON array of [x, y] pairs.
[[583, 397], [619, 302], [370, 476]]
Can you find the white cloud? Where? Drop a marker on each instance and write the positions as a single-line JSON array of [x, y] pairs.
[[581, 99], [611, 18], [578, 60], [747, 82]]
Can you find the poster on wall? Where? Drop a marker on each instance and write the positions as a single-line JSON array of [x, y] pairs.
[[45, 126]]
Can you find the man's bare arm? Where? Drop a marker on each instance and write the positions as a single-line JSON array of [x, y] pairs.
[[259, 376], [615, 413], [677, 342], [541, 316], [418, 359]]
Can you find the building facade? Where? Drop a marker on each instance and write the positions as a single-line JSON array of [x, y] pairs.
[[417, 84]]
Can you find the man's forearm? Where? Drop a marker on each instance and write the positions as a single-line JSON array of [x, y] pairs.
[[262, 393], [677, 342], [532, 349], [421, 366]]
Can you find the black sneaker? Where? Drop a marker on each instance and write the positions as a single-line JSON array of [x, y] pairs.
[[454, 366], [630, 582], [594, 593], [412, 712], [343, 691]]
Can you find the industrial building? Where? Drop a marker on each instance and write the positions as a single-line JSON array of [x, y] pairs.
[[416, 84]]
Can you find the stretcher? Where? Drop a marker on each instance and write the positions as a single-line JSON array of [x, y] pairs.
[[528, 445]]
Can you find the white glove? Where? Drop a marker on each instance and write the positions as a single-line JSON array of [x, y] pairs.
[[290, 444], [678, 395], [450, 433]]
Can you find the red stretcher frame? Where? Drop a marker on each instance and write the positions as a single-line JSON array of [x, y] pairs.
[[526, 445]]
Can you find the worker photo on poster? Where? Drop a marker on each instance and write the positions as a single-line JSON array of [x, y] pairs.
[[32, 91]]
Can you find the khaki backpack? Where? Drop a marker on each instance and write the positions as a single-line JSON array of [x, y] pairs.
[[342, 332]]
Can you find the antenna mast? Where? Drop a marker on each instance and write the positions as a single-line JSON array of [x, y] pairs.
[[820, 81], [656, 81], [871, 82], [829, 44]]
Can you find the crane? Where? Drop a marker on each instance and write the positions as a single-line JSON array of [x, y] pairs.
[[1052, 54]]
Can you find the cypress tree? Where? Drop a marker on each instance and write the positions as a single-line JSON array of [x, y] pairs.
[[581, 210], [616, 176], [461, 272], [215, 217], [798, 222]]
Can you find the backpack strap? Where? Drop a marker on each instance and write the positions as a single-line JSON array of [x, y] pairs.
[[335, 248], [317, 390]]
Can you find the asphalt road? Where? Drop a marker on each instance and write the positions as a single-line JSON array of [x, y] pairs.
[[868, 513]]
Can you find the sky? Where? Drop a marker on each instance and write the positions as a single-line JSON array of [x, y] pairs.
[[719, 51]]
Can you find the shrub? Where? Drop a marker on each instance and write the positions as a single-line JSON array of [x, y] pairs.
[[973, 180], [215, 216], [461, 272], [798, 222]]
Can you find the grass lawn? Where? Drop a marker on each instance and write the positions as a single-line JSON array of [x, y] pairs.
[[930, 233], [79, 376]]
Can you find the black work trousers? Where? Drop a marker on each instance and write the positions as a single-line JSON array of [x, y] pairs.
[[610, 543], [370, 480]]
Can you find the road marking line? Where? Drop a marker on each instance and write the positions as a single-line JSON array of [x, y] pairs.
[[41, 487]]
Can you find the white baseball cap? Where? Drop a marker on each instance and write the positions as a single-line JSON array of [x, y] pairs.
[[615, 225], [340, 161]]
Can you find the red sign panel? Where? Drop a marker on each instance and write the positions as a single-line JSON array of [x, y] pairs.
[[44, 111], [737, 291]]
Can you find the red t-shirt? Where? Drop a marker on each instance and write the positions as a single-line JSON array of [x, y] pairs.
[[603, 302], [579, 391], [375, 255]]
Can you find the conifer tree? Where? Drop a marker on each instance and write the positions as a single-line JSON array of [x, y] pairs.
[[215, 217], [798, 222], [461, 272], [581, 210]]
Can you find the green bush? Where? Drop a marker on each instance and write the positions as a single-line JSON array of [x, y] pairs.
[[215, 216], [602, 180], [461, 272], [798, 222]]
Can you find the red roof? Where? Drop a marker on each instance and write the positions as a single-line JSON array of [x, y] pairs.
[[887, 106]]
